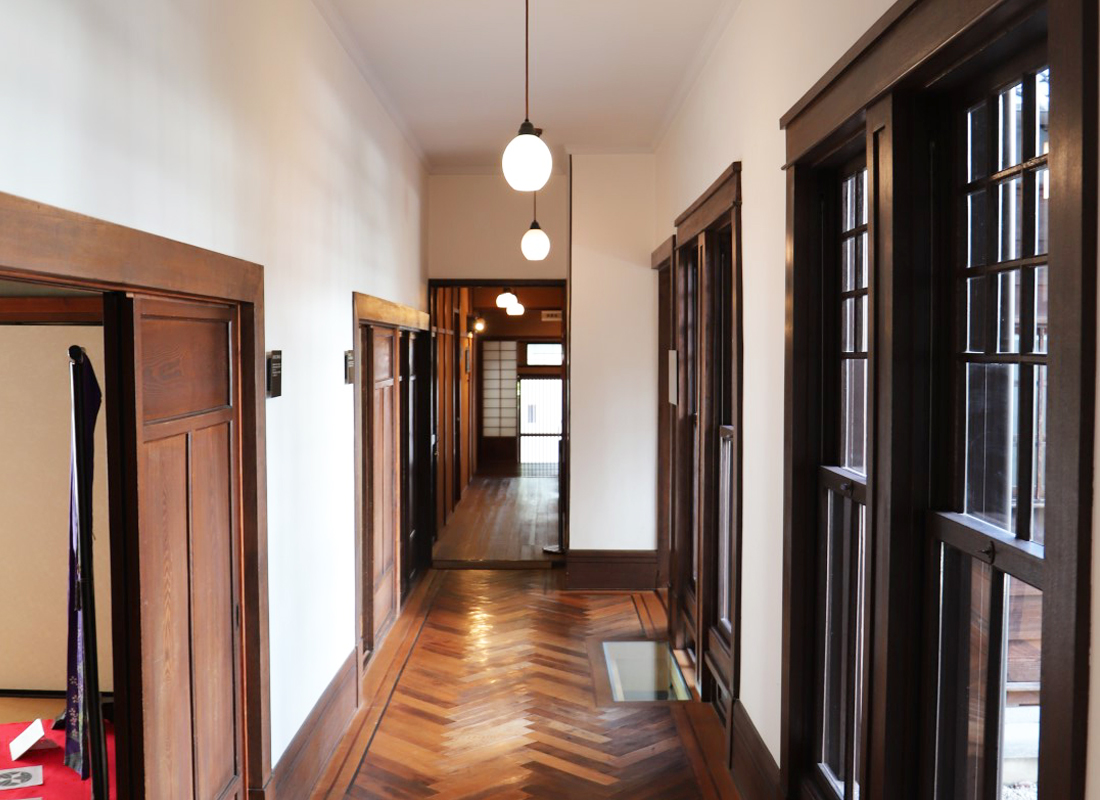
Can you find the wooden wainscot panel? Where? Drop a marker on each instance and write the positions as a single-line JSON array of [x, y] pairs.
[[754, 769], [611, 569], [309, 751]]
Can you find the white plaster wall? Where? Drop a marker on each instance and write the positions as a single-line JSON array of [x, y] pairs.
[[477, 222], [242, 127], [35, 439], [613, 356], [770, 54]]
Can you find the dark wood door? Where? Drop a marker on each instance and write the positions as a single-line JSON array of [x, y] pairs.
[[383, 454], [180, 504]]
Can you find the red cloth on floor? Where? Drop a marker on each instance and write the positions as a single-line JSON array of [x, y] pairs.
[[58, 781]]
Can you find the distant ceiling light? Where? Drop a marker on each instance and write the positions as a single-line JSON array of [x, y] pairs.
[[516, 309], [527, 161], [506, 299], [535, 243], [479, 324]]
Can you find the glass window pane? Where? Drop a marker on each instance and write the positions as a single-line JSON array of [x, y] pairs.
[[965, 595], [848, 264], [861, 630], [1019, 698], [862, 187], [977, 139], [991, 412], [861, 257], [835, 651], [854, 414], [1008, 311], [975, 229], [725, 533], [975, 314], [1039, 458], [1010, 219], [848, 325], [848, 198], [1042, 112], [545, 355], [1042, 305], [1042, 209], [1010, 110]]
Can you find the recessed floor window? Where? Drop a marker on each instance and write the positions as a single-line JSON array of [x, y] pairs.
[[643, 670]]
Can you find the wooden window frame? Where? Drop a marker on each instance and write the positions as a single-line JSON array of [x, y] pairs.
[[869, 93]]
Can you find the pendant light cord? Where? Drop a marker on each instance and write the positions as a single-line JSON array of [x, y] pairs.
[[527, 59], [535, 212]]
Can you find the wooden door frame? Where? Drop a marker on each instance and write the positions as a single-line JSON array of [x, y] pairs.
[[913, 44], [368, 311], [49, 245], [661, 261], [563, 284]]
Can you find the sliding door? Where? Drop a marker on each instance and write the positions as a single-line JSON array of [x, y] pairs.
[[180, 501], [382, 475]]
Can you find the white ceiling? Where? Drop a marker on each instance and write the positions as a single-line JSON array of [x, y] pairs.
[[606, 75]]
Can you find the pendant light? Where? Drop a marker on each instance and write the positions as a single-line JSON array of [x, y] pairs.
[[535, 243], [506, 299], [516, 309], [527, 161]]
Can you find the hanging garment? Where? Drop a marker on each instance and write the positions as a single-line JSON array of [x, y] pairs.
[[76, 709]]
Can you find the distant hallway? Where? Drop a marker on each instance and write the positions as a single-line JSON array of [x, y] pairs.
[[503, 519]]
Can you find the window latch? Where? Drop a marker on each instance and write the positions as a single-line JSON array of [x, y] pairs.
[[990, 552]]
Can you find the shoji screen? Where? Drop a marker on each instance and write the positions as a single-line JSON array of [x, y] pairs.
[[498, 387]]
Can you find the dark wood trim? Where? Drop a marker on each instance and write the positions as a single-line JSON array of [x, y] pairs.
[[721, 186], [910, 44], [473, 283], [304, 759], [611, 569], [377, 311], [754, 769], [50, 245], [662, 256], [1067, 600], [51, 310], [715, 203]]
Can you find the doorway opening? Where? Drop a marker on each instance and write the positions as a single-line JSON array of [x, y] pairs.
[[500, 423]]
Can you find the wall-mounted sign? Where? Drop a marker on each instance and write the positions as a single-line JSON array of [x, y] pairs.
[[551, 316], [275, 373], [349, 366]]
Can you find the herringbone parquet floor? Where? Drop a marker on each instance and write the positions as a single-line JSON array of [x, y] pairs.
[[496, 702]]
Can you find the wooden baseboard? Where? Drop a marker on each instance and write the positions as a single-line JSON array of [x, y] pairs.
[[611, 569], [305, 758], [754, 769]]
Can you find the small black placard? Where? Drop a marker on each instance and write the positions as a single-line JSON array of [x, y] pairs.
[[275, 373]]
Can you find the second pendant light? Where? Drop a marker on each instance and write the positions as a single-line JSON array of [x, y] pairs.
[[535, 244]]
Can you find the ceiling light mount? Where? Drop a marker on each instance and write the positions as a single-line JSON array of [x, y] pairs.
[[527, 161]]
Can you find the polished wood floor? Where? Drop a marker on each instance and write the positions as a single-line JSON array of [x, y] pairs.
[[492, 699], [501, 520]]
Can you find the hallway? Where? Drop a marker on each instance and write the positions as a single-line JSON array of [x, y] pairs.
[[502, 519], [496, 700]]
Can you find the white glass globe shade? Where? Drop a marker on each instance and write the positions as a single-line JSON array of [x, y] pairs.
[[506, 299], [535, 244], [516, 309], [527, 163]]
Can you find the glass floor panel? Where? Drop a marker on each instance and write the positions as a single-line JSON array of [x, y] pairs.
[[643, 670]]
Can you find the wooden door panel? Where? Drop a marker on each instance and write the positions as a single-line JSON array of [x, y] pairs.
[[384, 451], [185, 366], [212, 611], [185, 361], [165, 656]]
